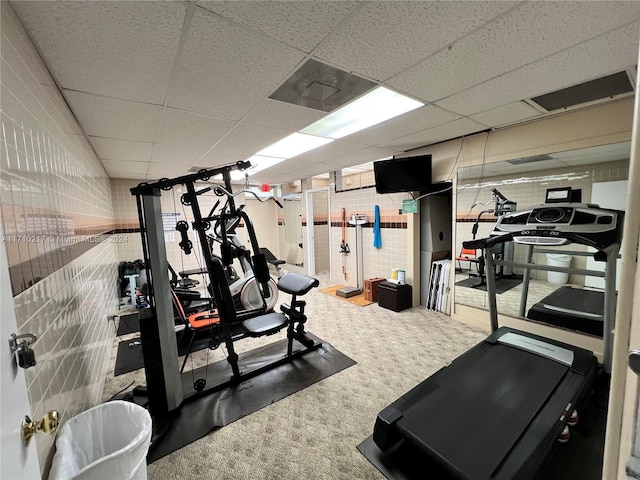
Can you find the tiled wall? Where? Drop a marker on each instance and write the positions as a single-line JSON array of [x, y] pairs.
[[127, 224], [321, 230], [55, 196], [528, 190], [377, 262]]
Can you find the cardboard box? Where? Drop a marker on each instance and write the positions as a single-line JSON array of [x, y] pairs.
[[371, 288]]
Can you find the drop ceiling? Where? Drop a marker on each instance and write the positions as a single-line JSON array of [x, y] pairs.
[[161, 87]]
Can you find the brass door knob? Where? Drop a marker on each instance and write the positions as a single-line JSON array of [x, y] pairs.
[[48, 424]]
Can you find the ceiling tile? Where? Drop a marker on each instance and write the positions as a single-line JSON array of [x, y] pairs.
[[113, 149], [226, 70], [119, 49], [163, 170], [292, 169], [139, 177], [615, 51], [335, 149], [191, 130], [457, 128], [117, 168], [299, 24], [248, 140], [506, 114], [532, 31], [362, 156], [113, 118], [417, 120], [180, 156], [286, 116], [383, 38], [215, 158]]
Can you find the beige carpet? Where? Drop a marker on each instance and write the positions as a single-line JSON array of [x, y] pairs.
[[313, 434]]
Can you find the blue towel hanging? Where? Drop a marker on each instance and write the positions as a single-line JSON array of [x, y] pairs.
[[377, 238]]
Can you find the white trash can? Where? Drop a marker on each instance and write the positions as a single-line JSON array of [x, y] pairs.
[[109, 441], [558, 260]]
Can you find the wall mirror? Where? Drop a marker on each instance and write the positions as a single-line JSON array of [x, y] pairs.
[[599, 172]]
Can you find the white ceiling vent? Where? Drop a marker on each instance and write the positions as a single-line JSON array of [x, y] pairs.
[[321, 87], [532, 159], [591, 91]]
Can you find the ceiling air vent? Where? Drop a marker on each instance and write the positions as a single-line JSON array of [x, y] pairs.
[[598, 89], [321, 87], [535, 158]]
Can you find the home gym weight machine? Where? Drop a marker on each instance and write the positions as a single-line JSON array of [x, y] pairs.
[[502, 206], [164, 387], [245, 289]]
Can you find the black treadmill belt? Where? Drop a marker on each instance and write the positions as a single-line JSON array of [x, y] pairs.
[[574, 308], [472, 421]]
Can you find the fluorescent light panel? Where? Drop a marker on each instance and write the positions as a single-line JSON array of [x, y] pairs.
[[375, 107], [293, 145]]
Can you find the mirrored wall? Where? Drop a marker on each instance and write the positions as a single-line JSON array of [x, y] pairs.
[[600, 173]]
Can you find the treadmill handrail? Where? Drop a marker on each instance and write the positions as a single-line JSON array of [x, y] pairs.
[[530, 233]]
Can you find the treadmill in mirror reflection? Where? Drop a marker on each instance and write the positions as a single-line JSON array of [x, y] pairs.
[[579, 309]]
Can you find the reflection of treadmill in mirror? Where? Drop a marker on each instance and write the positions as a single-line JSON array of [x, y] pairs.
[[573, 308], [496, 411]]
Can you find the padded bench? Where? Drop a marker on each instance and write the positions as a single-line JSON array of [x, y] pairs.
[[270, 323]]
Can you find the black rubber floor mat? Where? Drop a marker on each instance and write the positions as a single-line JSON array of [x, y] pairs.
[[200, 416], [129, 356], [502, 284]]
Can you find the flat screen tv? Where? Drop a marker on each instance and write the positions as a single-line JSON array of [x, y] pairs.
[[411, 174]]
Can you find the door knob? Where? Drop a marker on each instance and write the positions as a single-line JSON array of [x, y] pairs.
[[634, 361], [48, 424]]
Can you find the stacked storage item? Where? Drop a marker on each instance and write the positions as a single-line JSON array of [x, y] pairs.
[[438, 292]]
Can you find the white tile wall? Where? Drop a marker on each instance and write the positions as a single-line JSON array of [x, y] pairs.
[[126, 214], [54, 193], [378, 262]]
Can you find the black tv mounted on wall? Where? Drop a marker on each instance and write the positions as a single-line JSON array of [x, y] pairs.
[[410, 174]]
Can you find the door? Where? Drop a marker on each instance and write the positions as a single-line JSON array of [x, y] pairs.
[[435, 235], [16, 460], [631, 409], [318, 242], [607, 195], [293, 232]]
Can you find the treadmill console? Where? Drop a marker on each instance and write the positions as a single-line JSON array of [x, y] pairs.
[[560, 223]]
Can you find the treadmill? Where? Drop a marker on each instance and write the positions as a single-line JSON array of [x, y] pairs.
[[579, 309], [496, 411]]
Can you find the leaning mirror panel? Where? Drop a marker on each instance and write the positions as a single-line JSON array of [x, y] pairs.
[[485, 192]]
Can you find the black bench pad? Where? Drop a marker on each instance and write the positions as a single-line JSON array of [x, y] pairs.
[[264, 324], [296, 284]]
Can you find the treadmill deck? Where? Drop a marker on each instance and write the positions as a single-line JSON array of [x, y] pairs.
[[492, 413]]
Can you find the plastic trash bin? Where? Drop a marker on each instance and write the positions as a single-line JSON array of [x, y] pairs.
[[109, 441], [558, 260]]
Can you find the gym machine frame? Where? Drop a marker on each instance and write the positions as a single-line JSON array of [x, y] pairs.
[[164, 387]]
